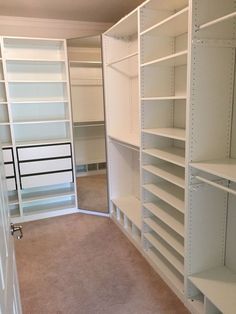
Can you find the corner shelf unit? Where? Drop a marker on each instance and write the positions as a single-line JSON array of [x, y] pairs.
[[86, 76], [181, 163], [35, 128]]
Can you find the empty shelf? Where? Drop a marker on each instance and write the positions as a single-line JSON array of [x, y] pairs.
[[131, 207], [217, 21], [224, 168], [183, 97], [168, 215], [177, 59], [39, 209], [174, 133], [47, 194], [169, 193], [174, 25], [171, 154], [87, 64], [163, 249], [219, 286], [167, 236], [123, 58], [169, 172]]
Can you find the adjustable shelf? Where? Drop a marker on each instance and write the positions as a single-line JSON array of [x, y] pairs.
[[184, 97], [173, 25], [174, 133], [40, 122], [176, 59], [39, 101], [224, 168], [171, 257], [217, 21], [172, 154], [168, 235], [128, 142], [169, 216], [219, 286], [36, 60], [169, 193], [86, 64], [134, 54], [131, 207]]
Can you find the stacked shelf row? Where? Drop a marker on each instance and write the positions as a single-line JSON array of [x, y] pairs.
[[36, 116]]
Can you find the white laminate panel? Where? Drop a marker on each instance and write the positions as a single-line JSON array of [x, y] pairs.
[[45, 166], [9, 170], [48, 151], [46, 179]]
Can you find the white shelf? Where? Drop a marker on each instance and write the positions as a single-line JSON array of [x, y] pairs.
[[171, 154], [123, 59], [39, 101], [217, 21], [176, 59], [47, 194], [168, 172], [129, 143], [86, 64], [39, 209], [167, 236], [87, 82], [131, 207], [167, 214], [174, 25], [219, 286], [163, 267], [174, 133], [13, 200], [4, 123], [35, 60], [224, 168], [43, 142], [88, 124], [41, 122], [171, 258], [183, 97], [169, 193], [35, 82]]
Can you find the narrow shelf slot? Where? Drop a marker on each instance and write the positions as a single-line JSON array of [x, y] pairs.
[[174, 133], [131, 207], [164, 250], [168, 172], [176, 59], [166, 234], [169, 193], [169, 216], [166, 268], [171, 154], [174, 25], [219, 286], [217, 21]]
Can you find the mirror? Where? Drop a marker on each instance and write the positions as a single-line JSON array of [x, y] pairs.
[[85, 60]]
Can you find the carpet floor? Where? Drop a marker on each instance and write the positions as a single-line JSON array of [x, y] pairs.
[[81, 264], [92, 192]]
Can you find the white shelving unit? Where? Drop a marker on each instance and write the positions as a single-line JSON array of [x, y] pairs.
[[87, 104], [36, 128], [185, 60]]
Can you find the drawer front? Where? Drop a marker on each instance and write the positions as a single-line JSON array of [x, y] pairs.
[[7, 155], [46, 179], [45, 166], [41, 152], [11, 184], [9, 170]]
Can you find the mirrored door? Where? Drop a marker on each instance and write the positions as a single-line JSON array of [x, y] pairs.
[[85, 60]]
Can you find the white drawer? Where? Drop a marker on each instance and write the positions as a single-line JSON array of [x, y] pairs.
[[9, 170], [11, 184], [46, 179], [45, 166], [7, 155], [40, 152]]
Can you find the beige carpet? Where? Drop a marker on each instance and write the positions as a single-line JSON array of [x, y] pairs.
[[81, 264], [92, 192]]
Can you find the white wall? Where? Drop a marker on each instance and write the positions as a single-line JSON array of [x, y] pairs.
[[49, 28]]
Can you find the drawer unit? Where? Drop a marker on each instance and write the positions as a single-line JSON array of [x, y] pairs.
[[43, 151], [44, 165], [8, 159]]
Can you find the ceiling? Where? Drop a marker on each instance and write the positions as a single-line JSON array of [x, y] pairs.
[[108, 11]]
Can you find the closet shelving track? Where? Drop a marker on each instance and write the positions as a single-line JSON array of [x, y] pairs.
[[37, 104]]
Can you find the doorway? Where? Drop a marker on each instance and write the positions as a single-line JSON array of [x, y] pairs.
[[85, 60]]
